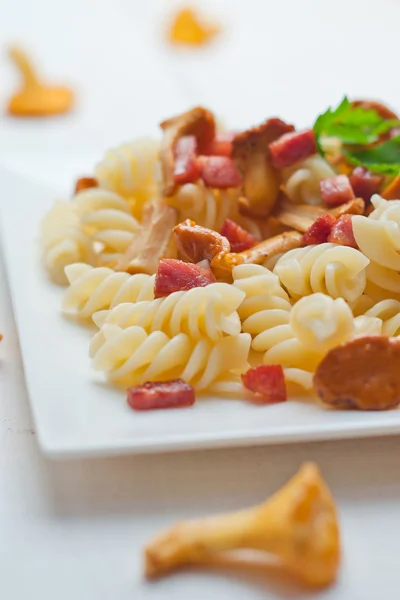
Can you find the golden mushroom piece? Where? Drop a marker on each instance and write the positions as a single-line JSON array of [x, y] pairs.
[[298, 525], [36, 98]]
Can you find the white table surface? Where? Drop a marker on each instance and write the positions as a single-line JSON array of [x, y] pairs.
[[76, 529]]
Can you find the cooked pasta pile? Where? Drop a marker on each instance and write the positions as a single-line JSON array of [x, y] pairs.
[[181, 255]]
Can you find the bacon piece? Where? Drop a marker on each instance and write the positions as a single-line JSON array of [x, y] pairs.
[[186, 168], [239, 238], [175, 393], [268, 381], [362, 373], [177, 276], [342, 232], [336, 190], [84, 183], [364, 183], [198, 122], [219, 172], [221, 145], [384, 111], [392, 191], [197, 243], [319, 231], [260, 188], [292, 147]]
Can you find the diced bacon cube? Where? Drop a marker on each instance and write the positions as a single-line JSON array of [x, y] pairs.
[[221, 145], [268, 381], [319, 231], [336, 190], [176, 276], [342, 232], [364, 183], [186, 169], [292, 147], [152, 395], [219, 172], [239, 238]]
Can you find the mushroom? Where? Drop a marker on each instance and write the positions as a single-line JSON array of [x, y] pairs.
[[153, 242], [198, 122], [301, 216], [298, 525], [35, 98], [260, 188]]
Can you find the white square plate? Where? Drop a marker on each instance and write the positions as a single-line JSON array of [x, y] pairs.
[[76, 413]]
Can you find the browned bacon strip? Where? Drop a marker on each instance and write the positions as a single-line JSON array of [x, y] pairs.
[[392, 191], [175, 393]]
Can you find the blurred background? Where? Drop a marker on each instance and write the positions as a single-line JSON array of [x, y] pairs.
[[290, 59]]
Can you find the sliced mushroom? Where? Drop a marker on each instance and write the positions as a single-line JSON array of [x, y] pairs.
[[301, 216], [153, 242], [199, 122], [250, 153], [197, 243]]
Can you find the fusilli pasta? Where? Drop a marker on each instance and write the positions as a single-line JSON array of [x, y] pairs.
[[338, 271], [93, 289], [378, 237], [134, 356], [107, 218], [200, 312], [130, 171], [302, 180], [64, 241]]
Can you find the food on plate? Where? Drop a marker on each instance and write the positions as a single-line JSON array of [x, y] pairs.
[[242, 263], [298, 526], [362, 373], [36, 98], [161, 394], [190, 29]]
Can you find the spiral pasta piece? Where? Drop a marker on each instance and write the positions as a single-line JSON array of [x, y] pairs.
[[265, 310], [378, 237], [107, 218], [93, 289], [201, 312], [388, 312], [338, 271], [130, 170], [134, 356], [320, 322], [301, 181], [64, 241]]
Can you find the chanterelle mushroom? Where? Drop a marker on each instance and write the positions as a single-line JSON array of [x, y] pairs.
[[298, 525], [250, 154], [153, 242], [198, 122]]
